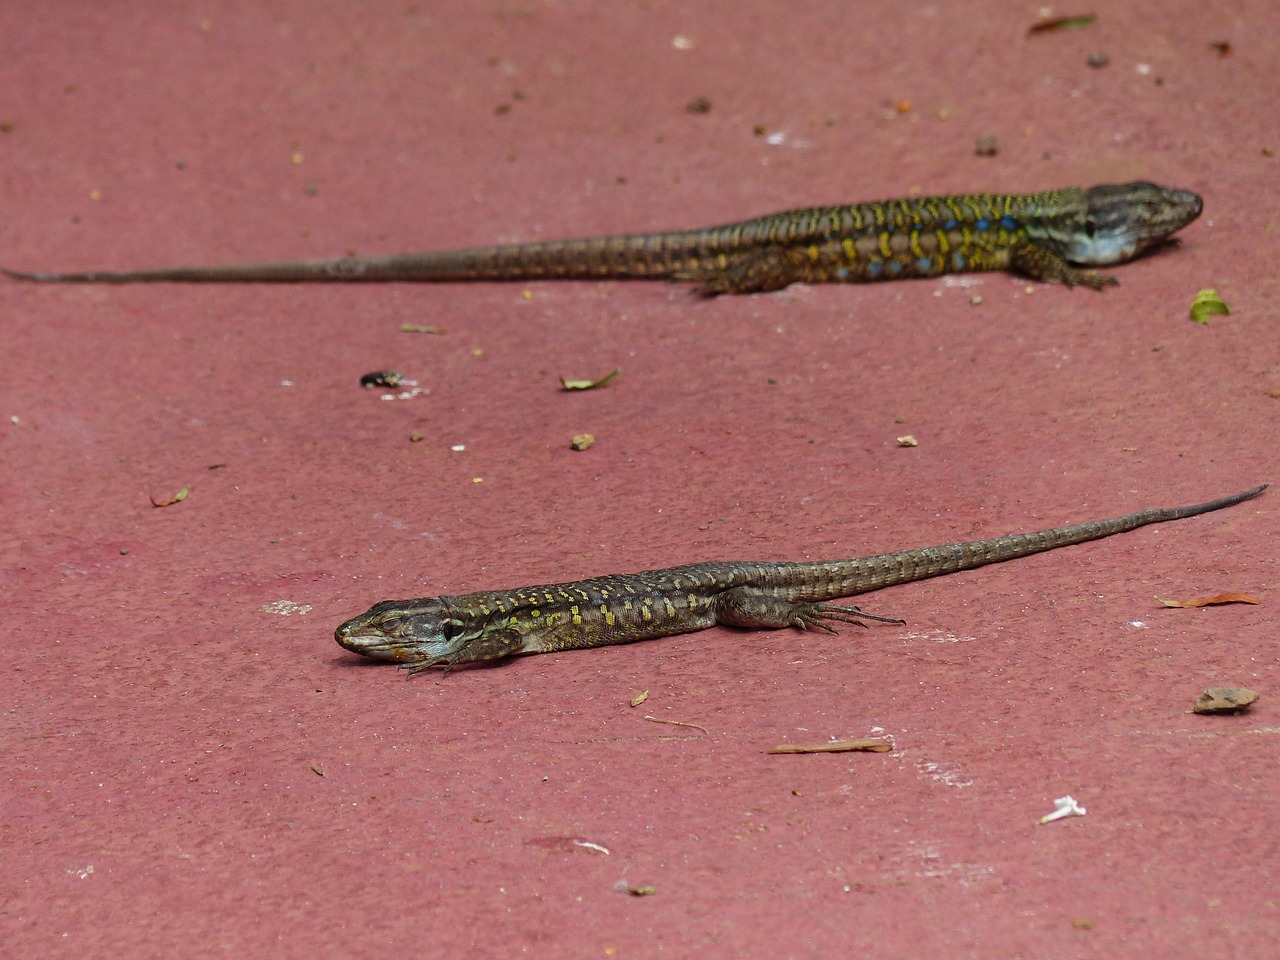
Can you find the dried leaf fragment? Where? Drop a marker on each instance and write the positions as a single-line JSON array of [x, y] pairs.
[[1206, 304], [1224, 700], [646, 891], [1062, 23], [836, 746], [419, 328], [582, 441], [640, 697], [382, 378], [1211, 601], [588, 384], [170, 501]]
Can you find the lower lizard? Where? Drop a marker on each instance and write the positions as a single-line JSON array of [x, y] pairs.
[[1038, 235], [478, 627]]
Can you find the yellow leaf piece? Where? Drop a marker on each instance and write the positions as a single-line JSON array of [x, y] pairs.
[[588, 384], [170, 501], [1210, 601], [1205, 305]]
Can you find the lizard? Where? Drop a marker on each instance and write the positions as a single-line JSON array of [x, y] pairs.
[[447, 631], [1039, 235]]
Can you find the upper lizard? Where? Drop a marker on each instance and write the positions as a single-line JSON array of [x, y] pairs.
[[1039, 235], [447, 631]]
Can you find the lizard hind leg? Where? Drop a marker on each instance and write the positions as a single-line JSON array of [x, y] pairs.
[[746, 271], [752, 610]]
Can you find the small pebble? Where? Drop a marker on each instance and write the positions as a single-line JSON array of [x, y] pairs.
[[987, 145], [1224, 700]]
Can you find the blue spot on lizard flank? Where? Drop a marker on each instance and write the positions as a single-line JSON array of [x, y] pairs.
[[982, 223], [958, 262], [924, 264], [1008, 222]]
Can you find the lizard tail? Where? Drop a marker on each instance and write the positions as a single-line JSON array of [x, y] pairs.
[[631, 256], [886, 570]]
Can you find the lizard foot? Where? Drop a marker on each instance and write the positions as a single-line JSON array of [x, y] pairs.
[[813, 615], [755, 610]]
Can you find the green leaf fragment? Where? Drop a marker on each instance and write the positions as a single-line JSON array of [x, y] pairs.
[[588, 384], [1063, 23], [1206, 304]]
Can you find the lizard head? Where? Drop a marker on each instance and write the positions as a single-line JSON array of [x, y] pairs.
[[1120, 220], [404, 631]]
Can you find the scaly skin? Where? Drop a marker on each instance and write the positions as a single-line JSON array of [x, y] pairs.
[[1039, 235], [448, 631]]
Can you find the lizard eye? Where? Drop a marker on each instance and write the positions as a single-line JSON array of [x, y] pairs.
[[390, 624]]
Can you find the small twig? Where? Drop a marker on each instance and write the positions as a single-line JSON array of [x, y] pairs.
[[835, 746], [677, 723]]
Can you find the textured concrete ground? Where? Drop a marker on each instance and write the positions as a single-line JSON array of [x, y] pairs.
[[193, 768]]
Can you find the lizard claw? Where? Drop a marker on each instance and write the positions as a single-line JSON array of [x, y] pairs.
[[843, 614], [417, 666], [806, 622]]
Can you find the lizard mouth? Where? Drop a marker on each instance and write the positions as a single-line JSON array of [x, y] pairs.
[[359, 638]]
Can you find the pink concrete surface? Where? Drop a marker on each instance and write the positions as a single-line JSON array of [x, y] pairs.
[[189, 772]]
